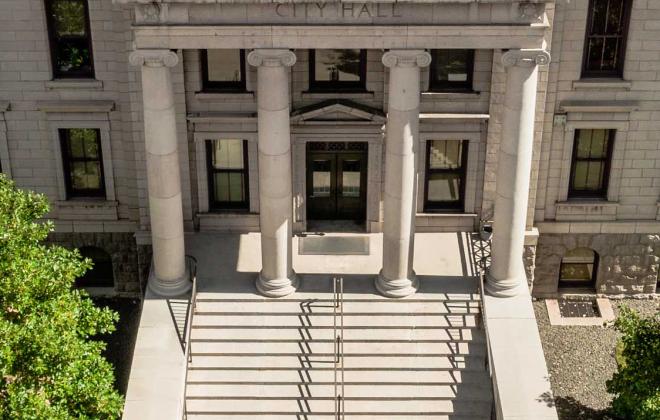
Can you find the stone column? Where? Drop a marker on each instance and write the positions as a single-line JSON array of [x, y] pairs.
[[277, 277], [397, 278], [169, 276], [506, 276]]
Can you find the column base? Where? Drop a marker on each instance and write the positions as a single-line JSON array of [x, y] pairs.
[[277, 287], [505, 288], [398, 288], [169, 288]]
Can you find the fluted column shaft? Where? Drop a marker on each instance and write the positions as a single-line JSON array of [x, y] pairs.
[[506, 276], [397, 278], [277, 277], [168, 276]]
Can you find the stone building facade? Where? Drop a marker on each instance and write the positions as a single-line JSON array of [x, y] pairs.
[[620, 226]]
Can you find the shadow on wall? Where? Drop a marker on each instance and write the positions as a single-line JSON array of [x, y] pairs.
[[568, 408]]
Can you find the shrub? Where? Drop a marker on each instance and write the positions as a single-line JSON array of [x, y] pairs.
[[50, 368], [636, 384]]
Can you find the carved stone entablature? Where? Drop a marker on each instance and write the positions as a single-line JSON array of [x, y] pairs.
[[153, 58], [531, 11], [406, 58], [525, 58], [271, 58], [151, 13]]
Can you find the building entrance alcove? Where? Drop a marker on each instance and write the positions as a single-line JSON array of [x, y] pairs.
[[336, 193]]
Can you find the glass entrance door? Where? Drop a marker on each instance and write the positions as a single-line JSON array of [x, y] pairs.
[[336, 181]]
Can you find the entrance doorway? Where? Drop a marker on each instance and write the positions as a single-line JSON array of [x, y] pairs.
[[337, 181]]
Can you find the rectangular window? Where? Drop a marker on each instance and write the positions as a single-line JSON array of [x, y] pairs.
[[451, 70], [606, 33], [223, 70], [337, 70], [446, 161], [70, 38], [228, 174], [82, 162], [592, 153]]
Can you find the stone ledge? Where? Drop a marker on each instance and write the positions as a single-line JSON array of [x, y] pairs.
[[586, 210], [339, 94], [588, 84], [87, 210], [76, 106], [598, 106], [228, 222], [91, 84], [224, 96], [521, 382], [623, 226], [222, 117], [430, 95], [447, 116]]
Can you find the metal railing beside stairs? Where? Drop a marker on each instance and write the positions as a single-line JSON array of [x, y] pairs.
[[338, 330], [187, 348]]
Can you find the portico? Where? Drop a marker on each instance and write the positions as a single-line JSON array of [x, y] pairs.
[[273, 53]]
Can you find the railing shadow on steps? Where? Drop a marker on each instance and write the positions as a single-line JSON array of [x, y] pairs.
[[190, 312]]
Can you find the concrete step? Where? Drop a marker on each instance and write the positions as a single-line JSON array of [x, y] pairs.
[[369, 306], [371, 391], [412, 347], [462, 405], [270, 320], [466, 293], [269, 376], [361, 334], [382, 361], [307, 416]]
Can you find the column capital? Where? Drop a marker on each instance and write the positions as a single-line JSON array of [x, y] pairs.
[[271, 58], [406, 58], [153, 58], [525, 58]]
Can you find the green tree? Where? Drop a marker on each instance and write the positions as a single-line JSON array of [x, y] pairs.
[[50, 367], [636, 384]]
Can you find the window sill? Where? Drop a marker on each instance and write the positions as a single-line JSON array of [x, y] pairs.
[[335, 94], [447, 214], [92, 84], [586, 210], [223, 96], [602, 83], [450, 95]]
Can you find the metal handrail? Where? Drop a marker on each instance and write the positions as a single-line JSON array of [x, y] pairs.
[[338, 330], [192, 304]]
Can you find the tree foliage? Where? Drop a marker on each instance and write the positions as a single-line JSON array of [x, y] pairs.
[[50, 367], [636, 384]]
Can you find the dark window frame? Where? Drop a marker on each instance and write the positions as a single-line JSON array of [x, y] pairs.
[[227, 206], [445, 206], [222, 86], [54, 40], [67, 159], [617, 72], [601, 193], [445, 85], [580, 284], [337, 86]]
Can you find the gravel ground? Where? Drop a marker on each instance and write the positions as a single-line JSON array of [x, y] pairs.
[[581, 359], [120, 344]]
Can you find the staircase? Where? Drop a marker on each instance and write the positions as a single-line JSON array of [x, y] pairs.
[[420, 357]]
